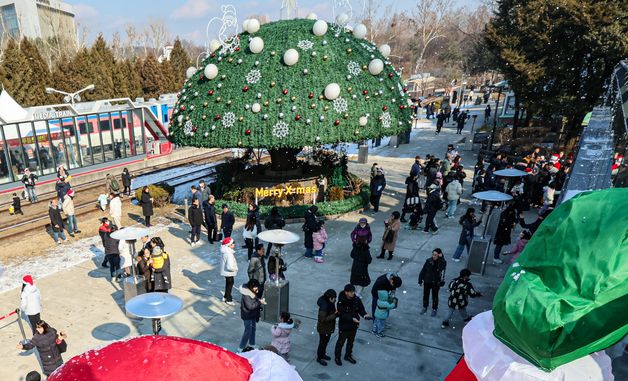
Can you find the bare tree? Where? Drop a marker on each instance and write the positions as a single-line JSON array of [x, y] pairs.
[[82, 33], [157, 35], [430, 18], [117, 47], [131, 40]]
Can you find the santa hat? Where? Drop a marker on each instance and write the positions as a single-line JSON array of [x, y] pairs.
[[227, 241], [27, 280], [70, 193], [528, 170], [554, 157]]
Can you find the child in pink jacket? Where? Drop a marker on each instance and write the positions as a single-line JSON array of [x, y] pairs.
[[281, 334], [521, 243], [320, 239]]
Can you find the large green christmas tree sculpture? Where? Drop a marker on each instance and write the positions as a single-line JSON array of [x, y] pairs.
[[288, 85]]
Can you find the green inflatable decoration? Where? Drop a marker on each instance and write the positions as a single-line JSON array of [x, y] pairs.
[[567, 294], [260, 100]]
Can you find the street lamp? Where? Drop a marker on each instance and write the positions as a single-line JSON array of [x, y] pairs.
[[70, 97], [501, 86]]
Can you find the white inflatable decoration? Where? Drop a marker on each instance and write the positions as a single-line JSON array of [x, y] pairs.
[[256, 45], [490, 360], [291, 57], [385, 50], [320, 28], [253, 26], [332, 91], [359, 31], [190, 72], [268, 366], [312, 16], [211, 71], [376, 66], [256, 108]]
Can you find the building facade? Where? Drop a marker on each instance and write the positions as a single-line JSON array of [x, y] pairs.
[[45, 19]]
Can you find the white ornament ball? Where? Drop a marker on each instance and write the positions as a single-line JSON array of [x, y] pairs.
[[305, 71], [256, 45], [211, 71], [332, 91], [321, 118], [245, 25], [291, 57], [253, 26], [293, 108], [342, 19], [376, 66], [363, 120], [359, 31], [385, 50], [312, 16], [265, 116], [214, 45], [256, 108], [190, 72], [180, 118], [281, 115], [319, 28]]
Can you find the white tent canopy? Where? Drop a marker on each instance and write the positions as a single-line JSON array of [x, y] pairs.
[[10, 110]]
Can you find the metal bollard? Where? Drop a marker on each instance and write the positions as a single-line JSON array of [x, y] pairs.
[[19, 322]]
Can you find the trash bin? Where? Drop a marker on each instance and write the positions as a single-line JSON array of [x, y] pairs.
[[133, 286], [478, 255], [277, 300], [363, 154]]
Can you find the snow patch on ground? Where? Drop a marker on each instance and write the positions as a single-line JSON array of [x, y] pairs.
[[58, 258]]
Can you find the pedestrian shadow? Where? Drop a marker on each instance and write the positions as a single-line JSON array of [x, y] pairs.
[[111, 331], [211, 305], [136, 217]]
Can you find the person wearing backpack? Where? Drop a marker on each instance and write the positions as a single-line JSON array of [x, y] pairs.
[[111, 184]]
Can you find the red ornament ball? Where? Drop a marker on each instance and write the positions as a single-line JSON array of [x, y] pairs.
[[182, 108], [365, 92], [194, 128], [210, 92], [310, 95], [247, 132], [385, 108], [237, 49], [245, 89], [285, 91], [405, 89], [336, 122], [297, 118], [401, 107], [217, 117], [201, 77], [213, 55], [390, 75]]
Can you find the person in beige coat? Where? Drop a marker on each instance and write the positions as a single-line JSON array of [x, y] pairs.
[[389, 239]]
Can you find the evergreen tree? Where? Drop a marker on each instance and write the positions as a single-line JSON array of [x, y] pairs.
[[151, 77], [180, 61], [17, 74], [557, 54], [104, 67], [120, 82], [133, 79], [74, 74], [169, 82], [39, 77]]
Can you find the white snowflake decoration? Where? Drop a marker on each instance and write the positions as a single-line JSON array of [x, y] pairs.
[[253, 76], [188, 128], [305, 45], [340, 105], [280, 129], [354, 68], [386, 120], [228, 119], [370, 48]]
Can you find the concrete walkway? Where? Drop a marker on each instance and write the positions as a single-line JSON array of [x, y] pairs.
[[81, 301]]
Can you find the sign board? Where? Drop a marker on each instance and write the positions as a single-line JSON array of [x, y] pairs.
[[52, 114], [283, 192]]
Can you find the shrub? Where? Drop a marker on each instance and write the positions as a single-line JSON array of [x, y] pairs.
[[336, 194], [160, 193]]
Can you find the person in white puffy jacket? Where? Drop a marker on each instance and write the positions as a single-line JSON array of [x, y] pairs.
[[228, 267], [30, 302]]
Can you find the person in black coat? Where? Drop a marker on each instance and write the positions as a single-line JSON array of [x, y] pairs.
[[533, 226], [46, 340], [310, 226], [147, 205], [250, 308], [143, 268], [378, 183], [360, 267], [326, 323], [112, 251], [227, 220], [273, 221], [412, 196], [350, 309], [56, 221], [126, 182], [462, 118], [432, 278], [209, 211], [468, 222], [507, 221], [433, 204], [388, 282], [195, 218], [254, 211]]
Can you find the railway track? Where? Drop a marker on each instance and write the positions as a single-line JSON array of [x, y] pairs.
[[91, 190]]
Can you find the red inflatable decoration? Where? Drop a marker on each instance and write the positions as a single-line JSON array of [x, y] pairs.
[[461, 373], [156, 358]]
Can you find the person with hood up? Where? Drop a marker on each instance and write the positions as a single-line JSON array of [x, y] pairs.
[[195, 218], [68, 209], [281, 334], [228, 268], [432, 278], [361, 230], [378, 184], [326, 324], [250, 308], [386, 301], [350, 309], [309, 227], [46, 340], [30, 301], [360, 267]]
